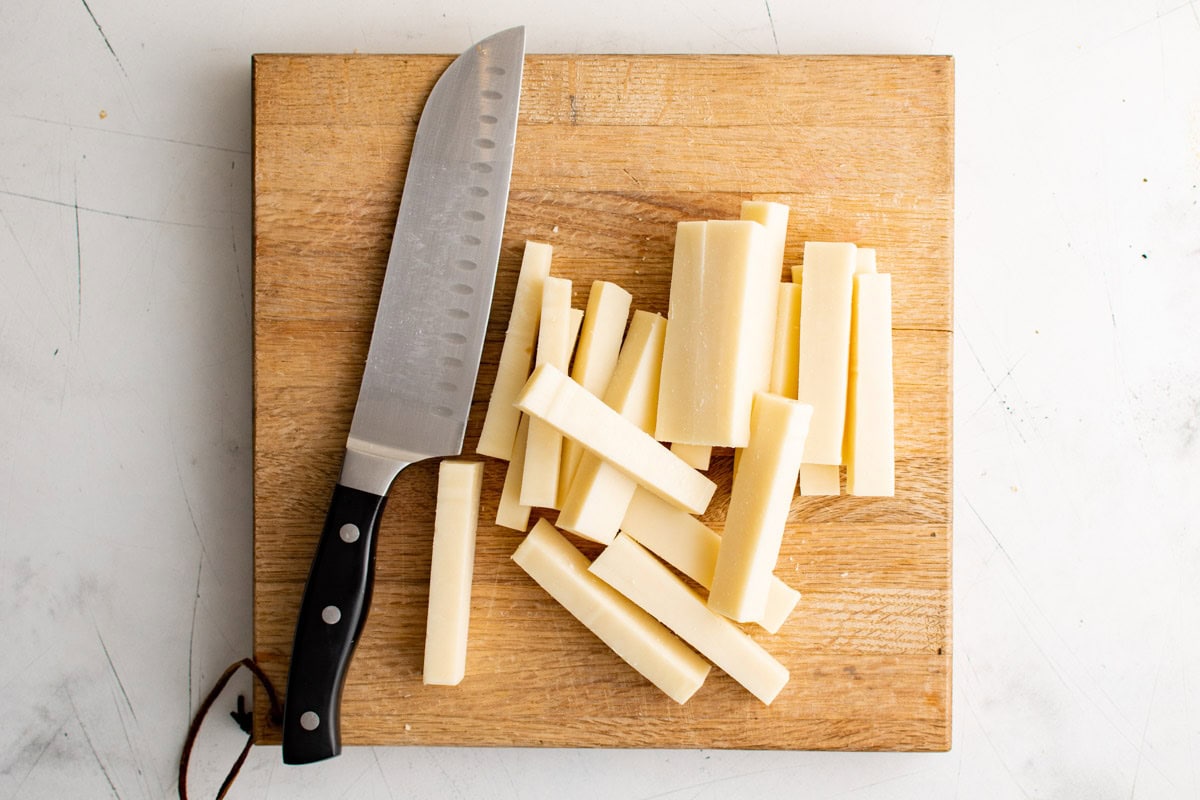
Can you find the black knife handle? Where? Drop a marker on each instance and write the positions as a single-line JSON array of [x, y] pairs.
[[332, 614]]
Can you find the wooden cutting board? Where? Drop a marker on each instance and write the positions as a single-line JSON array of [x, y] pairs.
[[612, 151]]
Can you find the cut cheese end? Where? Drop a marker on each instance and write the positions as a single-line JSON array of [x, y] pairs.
[[552, 397], [516, 357], [633, 634], [691, 547], [864, 261], [449, 614], [870, 449], [599, 492], [543, 453], [634, 572], [694, 455], [824, 362], [720, 332], [786, 353], [773, 217], [758, 508], [595, 359], [509, 511], [599, 495], [781, 601], [820, 480]]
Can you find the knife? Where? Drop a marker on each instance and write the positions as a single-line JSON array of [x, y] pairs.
[[419, 378]]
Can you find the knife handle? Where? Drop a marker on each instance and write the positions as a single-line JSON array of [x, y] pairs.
[[332, 613]]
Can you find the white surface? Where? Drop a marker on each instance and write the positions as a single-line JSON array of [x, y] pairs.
[[125, 394]]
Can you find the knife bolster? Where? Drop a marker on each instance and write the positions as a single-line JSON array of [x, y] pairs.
[[370, 472]]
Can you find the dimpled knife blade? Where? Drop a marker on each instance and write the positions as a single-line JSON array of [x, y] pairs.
[[419, 378]]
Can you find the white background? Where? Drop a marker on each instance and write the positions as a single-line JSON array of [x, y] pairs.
[[125, 406]]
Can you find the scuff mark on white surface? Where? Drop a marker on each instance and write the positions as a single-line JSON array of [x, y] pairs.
[[104, 36], [92, 747], [78, 265], [192, 635], [771, 20], [109, 213], [131, 134]]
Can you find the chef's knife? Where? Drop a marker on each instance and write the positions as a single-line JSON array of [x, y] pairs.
[[420, 373]]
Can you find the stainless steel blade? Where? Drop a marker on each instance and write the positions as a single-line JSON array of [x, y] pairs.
[[420, 373]]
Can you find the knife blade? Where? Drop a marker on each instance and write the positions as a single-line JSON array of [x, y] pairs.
[[419, 377]]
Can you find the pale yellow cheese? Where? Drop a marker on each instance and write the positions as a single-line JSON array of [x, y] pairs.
[[694, 455], [824, 362], [543, 452], [552, 397], [786, 353], [870, 449], [864, 260], [599, 495], [509, 511], [691, 547], [820, 480], [773, 217], [633, 390], [574, 323], [720, 332], [516, 356], [631, 570], [633, 634], [599, 492], [758, 508], [449, 613], [595, 359]]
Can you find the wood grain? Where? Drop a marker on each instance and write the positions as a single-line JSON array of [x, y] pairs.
[[612, 151]]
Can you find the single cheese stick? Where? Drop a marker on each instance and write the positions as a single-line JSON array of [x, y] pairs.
[[870, 448], [543, 453], [633, 390], [599, 492], [694, 455], [509, 511], [786, 354], [595, 359], [820, 480], [691, 547], [633, 634], [454, 522], [631, 570], [758, 508], [773, 217], [824, 361], [552, 397], [724, 294], [516, 357]]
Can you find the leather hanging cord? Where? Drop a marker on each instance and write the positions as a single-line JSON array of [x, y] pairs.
[[242, 717]]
